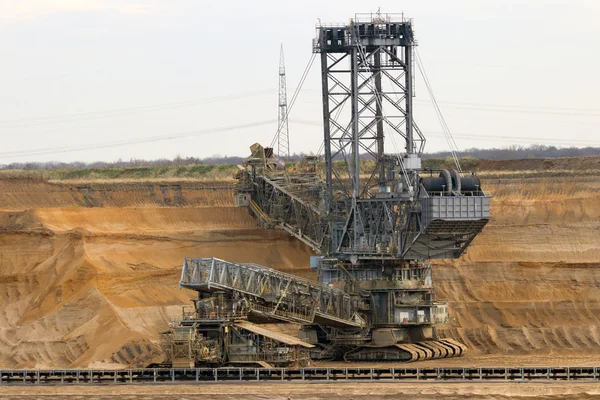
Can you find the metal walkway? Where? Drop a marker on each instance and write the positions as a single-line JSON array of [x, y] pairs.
[[233, 375], [273, 293]]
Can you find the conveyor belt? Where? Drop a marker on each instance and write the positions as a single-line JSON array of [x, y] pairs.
[[235, 375]]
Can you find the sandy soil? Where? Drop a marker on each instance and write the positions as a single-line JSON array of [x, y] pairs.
[[89, 272], [529, 283], [84, 286], [349, 391]]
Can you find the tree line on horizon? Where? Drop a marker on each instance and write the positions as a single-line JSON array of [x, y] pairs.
[[508, 153]]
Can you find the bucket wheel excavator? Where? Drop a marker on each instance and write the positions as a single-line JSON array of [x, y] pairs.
[[372, 213], [375, 217]]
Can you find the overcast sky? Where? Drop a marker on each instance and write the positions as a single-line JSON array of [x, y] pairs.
[[83, 74]]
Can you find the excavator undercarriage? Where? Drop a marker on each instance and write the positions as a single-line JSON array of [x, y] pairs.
[[235, 300]]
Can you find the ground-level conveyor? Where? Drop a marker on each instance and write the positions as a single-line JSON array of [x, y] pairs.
[[322, 374]]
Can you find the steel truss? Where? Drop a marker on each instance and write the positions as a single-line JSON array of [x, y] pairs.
[[368, 65], [273, 293], [283, 134], [294, 204], [393, 227]]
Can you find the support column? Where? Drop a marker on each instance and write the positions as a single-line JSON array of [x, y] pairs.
[[355, 123], [327, 147], [379, 113], [408, 58], [355, 145]]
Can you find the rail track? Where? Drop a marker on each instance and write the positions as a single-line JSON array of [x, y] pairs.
[[237, 375]]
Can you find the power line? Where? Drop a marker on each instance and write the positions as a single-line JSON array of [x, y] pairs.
[[57, 150], [521, 139], [447, 133], [65, 118], [464, 135], [514, 66], [572, 111], [518, 109]]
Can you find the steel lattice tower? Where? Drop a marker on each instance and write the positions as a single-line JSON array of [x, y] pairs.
[[283, 133], [367, 80]]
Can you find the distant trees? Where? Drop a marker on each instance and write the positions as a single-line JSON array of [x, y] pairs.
[[515, 152], [133, 162], [508, 153]]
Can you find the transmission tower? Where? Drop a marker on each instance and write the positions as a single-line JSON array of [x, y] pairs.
[[283, 134]]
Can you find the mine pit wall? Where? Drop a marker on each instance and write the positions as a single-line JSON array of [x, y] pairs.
[[31, 193], [89, 272], [530, 282]]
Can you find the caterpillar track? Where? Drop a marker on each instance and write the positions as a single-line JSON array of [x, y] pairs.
[[407, 352]]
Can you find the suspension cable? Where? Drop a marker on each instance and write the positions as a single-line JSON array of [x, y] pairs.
[[447, 134]]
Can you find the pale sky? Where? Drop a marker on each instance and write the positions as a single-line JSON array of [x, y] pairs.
[[87, 74]]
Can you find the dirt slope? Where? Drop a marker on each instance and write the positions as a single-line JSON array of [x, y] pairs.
[[89, 272], [79, 285], [530, 282]]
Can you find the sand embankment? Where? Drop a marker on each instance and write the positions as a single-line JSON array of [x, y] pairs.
[[89, 272]]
